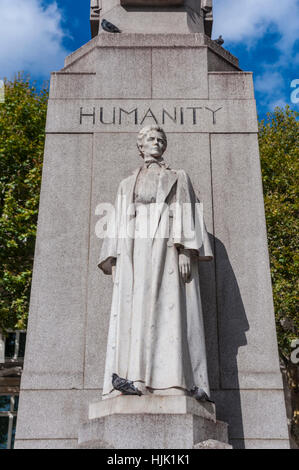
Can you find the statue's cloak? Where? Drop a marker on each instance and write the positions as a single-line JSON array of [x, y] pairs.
[[156, 334]]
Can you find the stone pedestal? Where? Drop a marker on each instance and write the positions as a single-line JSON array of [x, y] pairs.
[[173, 422], [107, 91], [151, 16]]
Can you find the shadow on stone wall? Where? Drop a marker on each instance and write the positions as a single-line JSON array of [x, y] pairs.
[[231, 324]]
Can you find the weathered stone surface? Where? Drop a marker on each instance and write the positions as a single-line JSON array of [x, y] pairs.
[[149, 431], [212, 444], [150, 3], [46, 444], [52, 414], [155, 16], [59, 289], [252, 414], [230, 86], [165, 405], [169, 72], [141, 41], [261, 444], [183, 116], [128, 66], [247, 336]]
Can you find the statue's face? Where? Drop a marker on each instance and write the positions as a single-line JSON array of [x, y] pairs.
[[153, 144]]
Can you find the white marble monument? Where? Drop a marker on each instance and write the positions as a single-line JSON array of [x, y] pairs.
[[153, 73], [156, 334]]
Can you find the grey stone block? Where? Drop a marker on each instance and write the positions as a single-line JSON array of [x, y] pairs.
[[158, 22], [261, 444], [153, 405], [194, 41], [52, 414], [231, 86], [55, 341], [147, 431], [245, 305], [212, 444], [183, 116], [252, 414], [169, 77], [129, 66], [47, 444], [219, 63]]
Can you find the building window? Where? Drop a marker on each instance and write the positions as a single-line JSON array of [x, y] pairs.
[[8, 420], [12, 350]]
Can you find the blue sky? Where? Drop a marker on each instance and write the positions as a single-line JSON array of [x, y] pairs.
[[36, 35]]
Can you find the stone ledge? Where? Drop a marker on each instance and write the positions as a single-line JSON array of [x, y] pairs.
[[138, 40], [148, 405], [150, 431], [212, 444]]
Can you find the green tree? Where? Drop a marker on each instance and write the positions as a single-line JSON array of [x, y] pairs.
[[279, 148], [22, 133]]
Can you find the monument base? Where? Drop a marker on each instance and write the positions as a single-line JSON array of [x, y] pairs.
[[159, 422]]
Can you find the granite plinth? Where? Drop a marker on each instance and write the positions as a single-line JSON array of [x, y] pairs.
[[166, 422]]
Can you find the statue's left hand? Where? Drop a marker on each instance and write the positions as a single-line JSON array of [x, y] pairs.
[[185, 264]]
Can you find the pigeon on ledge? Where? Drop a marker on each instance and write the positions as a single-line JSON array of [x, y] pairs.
[[109, 27], [219, 41], [125, 386], [200, 394]]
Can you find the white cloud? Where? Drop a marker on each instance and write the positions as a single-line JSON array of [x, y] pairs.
[[269, 82], [31, 38], [249, 20]]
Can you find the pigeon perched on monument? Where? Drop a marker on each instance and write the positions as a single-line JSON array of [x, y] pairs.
[[200, 394], [125, 386], [109, 27], [219, 41]]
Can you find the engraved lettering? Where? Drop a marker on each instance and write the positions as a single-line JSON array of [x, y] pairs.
[[194, 113], [182, 115], [135, 111], [214, 113], [149, 114], [166, 113], [102, 116], [93, 115]]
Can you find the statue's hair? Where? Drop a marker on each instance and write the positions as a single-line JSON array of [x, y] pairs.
[[143, 133]]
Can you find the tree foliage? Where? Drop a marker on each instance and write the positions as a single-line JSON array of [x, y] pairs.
[[279, 148], [22, 133]]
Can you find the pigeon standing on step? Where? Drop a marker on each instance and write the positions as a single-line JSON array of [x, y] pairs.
[[109, 27], [200, 394], [125, 386], [219, 41]]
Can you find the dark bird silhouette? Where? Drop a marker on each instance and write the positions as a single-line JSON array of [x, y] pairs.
[[109, 27], [125, 386], [219, 41], [200, 394]]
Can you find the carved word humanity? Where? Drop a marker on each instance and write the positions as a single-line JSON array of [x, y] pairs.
[[176, 115]]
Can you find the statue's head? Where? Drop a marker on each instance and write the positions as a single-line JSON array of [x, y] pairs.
[[151, 141]]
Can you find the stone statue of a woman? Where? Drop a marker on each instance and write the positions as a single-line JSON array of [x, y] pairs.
[[156, 335]]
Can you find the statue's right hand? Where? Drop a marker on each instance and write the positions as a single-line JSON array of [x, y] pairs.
[[185, 264]]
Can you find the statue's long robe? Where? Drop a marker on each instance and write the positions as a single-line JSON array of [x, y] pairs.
[[156, 334]]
